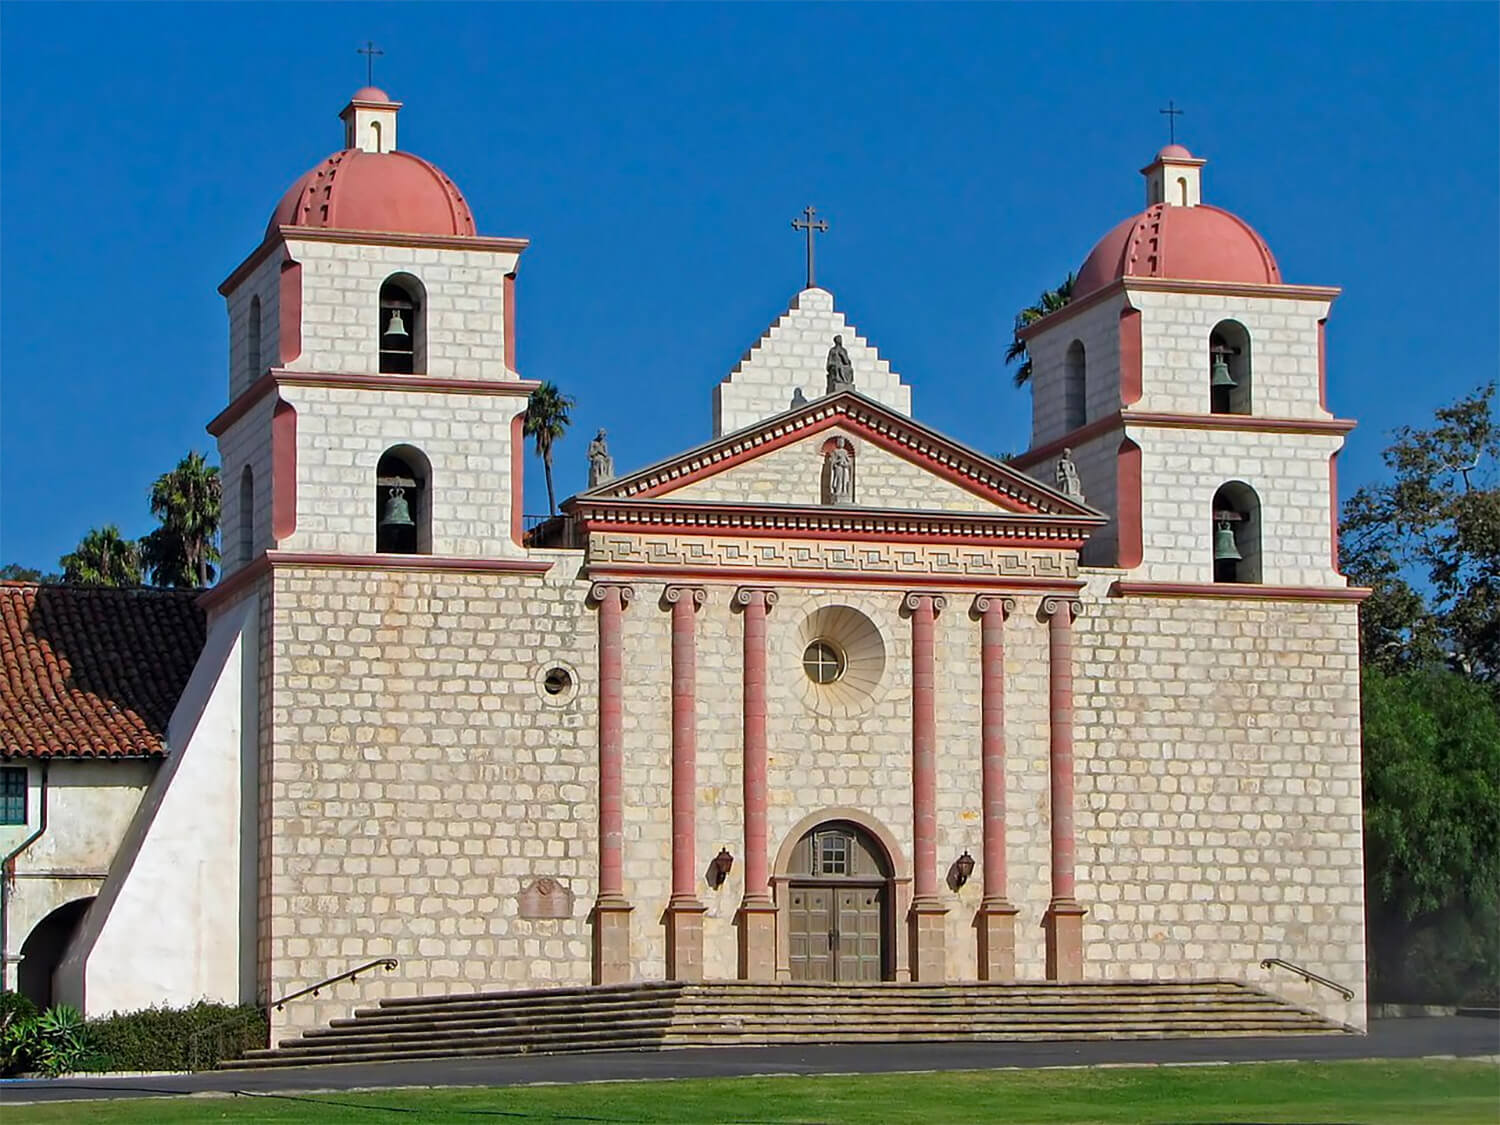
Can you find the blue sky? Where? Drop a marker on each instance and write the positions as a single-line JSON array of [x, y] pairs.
[[967, 156]]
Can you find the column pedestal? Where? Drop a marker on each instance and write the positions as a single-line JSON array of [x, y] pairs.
[[997, 940], [685, 940], [928, 922], [612, 963], [1063, 926], [757, 922]]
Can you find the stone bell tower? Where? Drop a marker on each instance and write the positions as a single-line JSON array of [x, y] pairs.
[[1188, 380]]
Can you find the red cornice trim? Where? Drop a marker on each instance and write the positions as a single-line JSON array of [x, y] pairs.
[[427, 384], [841, 535], [1237, 423], [320, 560], [1238, 591], [730, 575], [1178, 285]]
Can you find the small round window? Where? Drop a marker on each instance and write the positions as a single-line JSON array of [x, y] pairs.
[[822, 662], [556, 681]]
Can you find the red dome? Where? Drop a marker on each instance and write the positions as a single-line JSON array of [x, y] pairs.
[[390, 191], [1184, 243]]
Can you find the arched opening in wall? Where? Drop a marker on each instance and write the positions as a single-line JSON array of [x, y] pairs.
[[247, 514], [1075, 386], [1182, 191], [839, 906], [375, 137], [403, 325], [1229, 368], [1236, 533], [43, 950], [403, 502], [252, 340]]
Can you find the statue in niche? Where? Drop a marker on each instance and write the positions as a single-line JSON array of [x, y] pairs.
[[798, 399], [841, 472], [601, 464], [840, 367], [1067, 476]]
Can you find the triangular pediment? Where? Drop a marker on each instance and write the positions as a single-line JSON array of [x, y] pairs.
[[898, 465]]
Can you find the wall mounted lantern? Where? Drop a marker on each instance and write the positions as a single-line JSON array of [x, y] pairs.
[[962, 869], [718, 871]]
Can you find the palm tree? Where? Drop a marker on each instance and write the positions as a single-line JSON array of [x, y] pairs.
[[547, 419], [1049, 302], [184, 549], [103, 557]]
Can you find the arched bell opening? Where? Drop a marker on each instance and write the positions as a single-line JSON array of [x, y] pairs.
[[43, 950], [840, 906], [1075, 386], [403, 507], [1236, 533], [1229, 376], [403, 325]]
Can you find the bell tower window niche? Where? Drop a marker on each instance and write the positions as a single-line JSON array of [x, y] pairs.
[[1229, 368], [403, 508], [403, 342], [247, 514], [1236, 534], [1075, 387], [252, 339]]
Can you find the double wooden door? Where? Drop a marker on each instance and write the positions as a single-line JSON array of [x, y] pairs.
[[836, 931]]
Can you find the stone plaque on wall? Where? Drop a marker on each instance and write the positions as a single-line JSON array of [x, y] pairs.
[[545, 897]]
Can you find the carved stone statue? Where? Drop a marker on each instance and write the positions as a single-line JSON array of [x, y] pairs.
[[798, 399], [840, 367], [601, 464], [1067, 476], [841, 472]]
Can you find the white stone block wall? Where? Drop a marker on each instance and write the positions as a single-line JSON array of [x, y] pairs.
[[1219, 805], [464, 306], [341, 434], [1182, 469], [792, 355], [794, 474], [1098, 330], [263, 282], [246, 443], [1175, 330]]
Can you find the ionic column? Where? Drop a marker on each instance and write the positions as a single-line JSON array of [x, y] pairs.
[[684, 910], [1064, 921], [928, 945], [997, 917], [611, 915], [757, 917]]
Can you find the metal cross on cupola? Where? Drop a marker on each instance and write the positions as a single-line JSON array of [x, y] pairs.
[[1172, 113], [369, 50], [811, 225]]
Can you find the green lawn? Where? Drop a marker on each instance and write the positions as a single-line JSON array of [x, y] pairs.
[[1401, 1093]]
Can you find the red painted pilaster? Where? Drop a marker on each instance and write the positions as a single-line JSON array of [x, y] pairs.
[[927, 940], [611, 916], [996, 922], [1064, 925], [757, 916], [684, 601]]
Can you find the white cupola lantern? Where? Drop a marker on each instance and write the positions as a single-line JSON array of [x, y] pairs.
[[1174, 178], [370, 121]]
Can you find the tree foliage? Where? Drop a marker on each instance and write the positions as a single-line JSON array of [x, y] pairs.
[[184, 551], [547, 419], [15, 572], [1049, 302], [103, 557], [1428, 542], [1432, 834]]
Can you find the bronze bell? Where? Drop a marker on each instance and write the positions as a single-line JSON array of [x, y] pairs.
[[1221, 375], [397, 511], [397, 327], [1225, 549]]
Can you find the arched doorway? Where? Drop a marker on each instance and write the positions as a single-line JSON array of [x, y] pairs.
[[839, 906], [44, 948]]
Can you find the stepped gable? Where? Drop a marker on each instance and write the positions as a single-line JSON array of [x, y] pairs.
[[791, 355], [93, 672]]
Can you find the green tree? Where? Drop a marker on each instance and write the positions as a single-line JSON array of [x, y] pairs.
[[1428, 543], [15, 572], [103, 557], [1432, 835], [184, 550], [547, 419], [1049, 302]]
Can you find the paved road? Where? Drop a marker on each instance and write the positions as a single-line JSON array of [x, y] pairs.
[[1413, 1038]]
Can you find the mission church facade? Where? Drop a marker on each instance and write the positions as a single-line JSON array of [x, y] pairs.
[[829, 697]]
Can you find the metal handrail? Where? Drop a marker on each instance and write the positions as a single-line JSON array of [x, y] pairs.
[[386, 963], [1308, 975]]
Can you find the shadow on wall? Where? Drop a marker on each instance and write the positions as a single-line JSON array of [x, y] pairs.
[[43, 950]]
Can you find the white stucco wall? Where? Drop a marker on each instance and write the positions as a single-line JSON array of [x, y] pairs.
[[167, 925]]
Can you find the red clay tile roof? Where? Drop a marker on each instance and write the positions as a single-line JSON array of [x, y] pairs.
[[93, 672]]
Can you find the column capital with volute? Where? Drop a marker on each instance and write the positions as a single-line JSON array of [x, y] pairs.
[[745, 595], [984, 603]]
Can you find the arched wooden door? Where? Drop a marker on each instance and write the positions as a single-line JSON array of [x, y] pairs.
[[839, 906]]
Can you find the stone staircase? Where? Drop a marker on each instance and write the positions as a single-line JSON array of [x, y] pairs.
[[661, 1016]]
